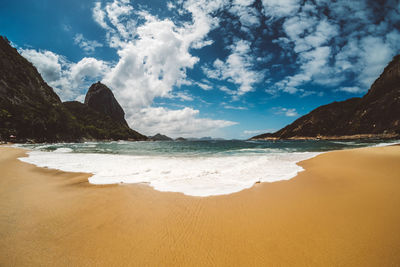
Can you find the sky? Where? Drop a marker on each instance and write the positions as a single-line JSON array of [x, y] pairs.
[[193, 68]]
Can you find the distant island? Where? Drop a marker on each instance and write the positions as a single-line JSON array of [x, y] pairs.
[[376, 115], [30, 110], [206, 138], [160, 137]]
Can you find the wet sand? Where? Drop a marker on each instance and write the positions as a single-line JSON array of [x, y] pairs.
[[342, 211]]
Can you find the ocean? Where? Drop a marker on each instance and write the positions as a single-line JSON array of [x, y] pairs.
[[196, 168]]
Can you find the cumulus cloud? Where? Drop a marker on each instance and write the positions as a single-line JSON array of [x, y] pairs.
[[154, 55], [247, 14], [204, 84], [68, 79], [87, 46], [280, 8], [288, 112], [181, 122], [236, 69], [351, 89], [227, 90], [182, 96], [340, 46], [235, 107], [48, 63], [150, 66], [334, 41], [87, 68]]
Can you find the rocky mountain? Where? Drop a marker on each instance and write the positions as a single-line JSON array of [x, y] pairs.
[[100, 126], [100, 98], [160, 137], [31, 111], [29, 108], [375, 115]]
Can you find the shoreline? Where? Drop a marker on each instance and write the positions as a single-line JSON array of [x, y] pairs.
[[364, 137], [168, 188], [324, 216], [93, 173]]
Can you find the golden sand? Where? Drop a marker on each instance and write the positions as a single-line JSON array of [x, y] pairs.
[[344, 210]]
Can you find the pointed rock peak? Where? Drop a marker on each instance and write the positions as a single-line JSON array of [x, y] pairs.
[[161, 137], [100, 98]]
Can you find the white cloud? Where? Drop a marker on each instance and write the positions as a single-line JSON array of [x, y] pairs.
[[235, 107], [351, 89], [182, 122], [204, 85], [87, 68], [48, 63], [291, 113], [114, 18], [326, 54], [87, 45], [288, 112], [154, 56], [183, 96], [151, 65], [254, 132], [67, 79], [170, 6], [248, 15], [375, 55], [153, 59], [280, 8], [202, 43], [99, 15], [227, 90], [53, 68], [237, 68]]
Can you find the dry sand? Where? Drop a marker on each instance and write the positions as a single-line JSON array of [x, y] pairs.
[[342, 211]]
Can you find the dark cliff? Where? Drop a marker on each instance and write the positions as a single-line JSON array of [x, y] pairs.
[[29, 108], [31, 111], [160, 137], [376, 115], [100, 98], [100, 126]]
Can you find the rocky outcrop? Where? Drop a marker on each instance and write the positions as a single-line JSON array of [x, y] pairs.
[[31, 111], [100, 98], [160, 137], [376, 115], [99, 126], [29, 108]]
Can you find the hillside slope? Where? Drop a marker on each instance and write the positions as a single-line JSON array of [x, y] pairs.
[[376, 115], [31, 111]]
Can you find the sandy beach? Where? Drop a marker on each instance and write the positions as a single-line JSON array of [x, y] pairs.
[[343, 210]]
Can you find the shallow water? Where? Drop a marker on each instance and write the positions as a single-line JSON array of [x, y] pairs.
[[197, 168]]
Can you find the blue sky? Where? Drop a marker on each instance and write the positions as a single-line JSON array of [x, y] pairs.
[[219, 68]]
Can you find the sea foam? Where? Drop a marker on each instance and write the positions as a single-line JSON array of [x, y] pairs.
[[194, 176]]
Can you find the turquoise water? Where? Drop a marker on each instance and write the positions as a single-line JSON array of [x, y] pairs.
[[195, 168], [204, 148]]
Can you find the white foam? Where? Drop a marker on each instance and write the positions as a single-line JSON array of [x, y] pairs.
[[63, 150], [195, 176], [387, 144]]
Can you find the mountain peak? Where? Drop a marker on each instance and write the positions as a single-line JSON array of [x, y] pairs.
[[375, 115], [31, 111], [160, 137], [101, 98]]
